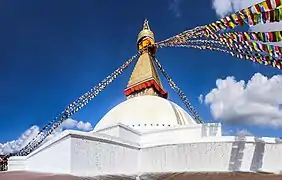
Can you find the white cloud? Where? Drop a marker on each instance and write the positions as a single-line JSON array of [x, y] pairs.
[[69, 124], [222, 7], [16, 145], [28, 135], [200, 99], [241, 132], [257, 102], [84, 126], [174, 6], [225, 7], [244, 132], [228, 132], [80, 125]]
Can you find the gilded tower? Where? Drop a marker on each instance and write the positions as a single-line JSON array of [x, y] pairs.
[[144, 79]]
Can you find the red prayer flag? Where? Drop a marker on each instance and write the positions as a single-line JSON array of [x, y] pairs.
[[268, 2], [265, 16], [278, 3], [257, 8], [272, 16]]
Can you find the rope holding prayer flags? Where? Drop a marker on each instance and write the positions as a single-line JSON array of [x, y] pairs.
[[266, 60], [225, 43], [238, 46], [213, 43], [265, 17], [235, 48], [246, 39], [71, 109], [258, 47], [275, 36], [180, 93], [182, 37], [272, 50]]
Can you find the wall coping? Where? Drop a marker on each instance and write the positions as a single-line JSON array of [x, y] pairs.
[[216, 139], [151, 131], [134, 131]]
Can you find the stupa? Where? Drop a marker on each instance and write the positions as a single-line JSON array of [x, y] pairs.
[[147, 133]]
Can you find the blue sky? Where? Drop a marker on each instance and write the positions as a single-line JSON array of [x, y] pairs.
[[53, 51]]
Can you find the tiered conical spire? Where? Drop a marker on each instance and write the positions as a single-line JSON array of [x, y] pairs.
[[144, 79]]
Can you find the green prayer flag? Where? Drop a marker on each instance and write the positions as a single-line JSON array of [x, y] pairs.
[[276, 15], [260, 36], [280, 14]]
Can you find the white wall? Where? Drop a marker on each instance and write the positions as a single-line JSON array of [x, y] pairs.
[[272, 155], [128, 134], [93, 153], [186, 157], [54, 157], [123, 132], [211, 129], [92, 156], [171, 136], [17, 163], [212, 156], [112, 131]]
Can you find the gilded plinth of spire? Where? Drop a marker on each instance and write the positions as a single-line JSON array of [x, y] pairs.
[[144, 70], [144, 79]]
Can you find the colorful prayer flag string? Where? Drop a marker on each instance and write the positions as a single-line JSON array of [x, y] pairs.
[[222, 45], [266, 60], [272, 50], [180, 93], [71, 109], [275, 36], [182, 37], [242, 46], [268, 11], [271, 16]]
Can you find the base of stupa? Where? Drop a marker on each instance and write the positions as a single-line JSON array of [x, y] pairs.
[[15, 175], [92, 154]]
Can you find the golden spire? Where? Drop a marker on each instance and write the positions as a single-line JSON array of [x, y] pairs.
[[144, 79]]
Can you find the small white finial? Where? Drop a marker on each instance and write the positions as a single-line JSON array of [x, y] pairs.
[[146, 24]]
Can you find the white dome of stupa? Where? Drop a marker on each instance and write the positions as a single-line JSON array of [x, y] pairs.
[[146, 113]]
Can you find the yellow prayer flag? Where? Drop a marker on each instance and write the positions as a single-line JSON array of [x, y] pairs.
[[230, 41], [255, 46], [232, 25], [278, 36], [265, 6], [248, 37], [247, 11], [234, 16]]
